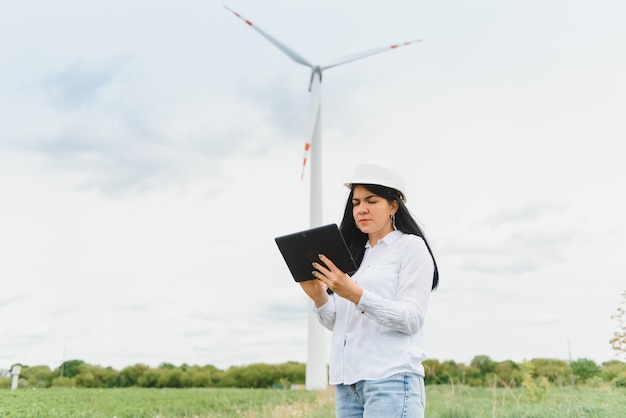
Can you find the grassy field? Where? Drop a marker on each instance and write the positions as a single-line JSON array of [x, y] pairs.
[[443, 402], [570, 402], [163, 403]]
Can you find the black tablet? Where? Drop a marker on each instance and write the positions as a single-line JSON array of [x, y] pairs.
[[301, 249]]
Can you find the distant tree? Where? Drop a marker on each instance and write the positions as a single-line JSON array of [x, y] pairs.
[[450, 371], [485, 366], [509, 373], [472, 376], [555, 371], [446, 371], [292, 372], [149, 379], [618, 342], [170, 378], [166, 366], [69, 368], [37, 376], [205, 376], [612, 370], [257, 375], [85, 378], [129, 376], [89, 376], [584, 369], [432, 371], [261, 375]]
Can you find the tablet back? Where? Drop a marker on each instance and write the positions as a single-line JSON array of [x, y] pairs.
[[300, 249]]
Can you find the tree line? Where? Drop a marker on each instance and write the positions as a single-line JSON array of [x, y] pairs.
[[77, 373], [481, 371]]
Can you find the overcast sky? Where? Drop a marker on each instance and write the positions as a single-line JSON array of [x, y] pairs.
[[150, 151]]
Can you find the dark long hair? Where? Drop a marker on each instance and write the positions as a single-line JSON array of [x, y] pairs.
[[404, 222]]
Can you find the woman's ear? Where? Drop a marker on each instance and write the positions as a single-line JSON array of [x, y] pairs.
[[394, 207]]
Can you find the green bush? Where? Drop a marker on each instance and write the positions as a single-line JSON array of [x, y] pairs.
[[535, 388], [509, 374], [37, 376], [555, 371], [612, 369], [595, 382], [450, 371], [69, 368], [620, 381], [129, 376], [584, 369], [63, 382]]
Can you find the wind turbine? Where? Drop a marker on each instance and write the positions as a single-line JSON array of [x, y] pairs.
[[316, 374]]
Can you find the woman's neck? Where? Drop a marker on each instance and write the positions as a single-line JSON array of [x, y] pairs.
[[375, 237]]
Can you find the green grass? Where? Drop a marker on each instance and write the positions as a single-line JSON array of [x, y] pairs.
[[444, 401], [448, 401], [135, 402]]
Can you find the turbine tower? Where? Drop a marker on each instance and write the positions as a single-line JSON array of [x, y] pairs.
[[316, 373]]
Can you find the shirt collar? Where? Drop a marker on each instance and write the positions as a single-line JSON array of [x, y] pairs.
[[387, 239]]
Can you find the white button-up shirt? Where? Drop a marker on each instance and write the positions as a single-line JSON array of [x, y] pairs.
[[382, 335]]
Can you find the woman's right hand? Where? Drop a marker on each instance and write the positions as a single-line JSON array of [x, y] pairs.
[[316, 290]]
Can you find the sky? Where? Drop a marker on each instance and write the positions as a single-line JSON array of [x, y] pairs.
[[150, 151]]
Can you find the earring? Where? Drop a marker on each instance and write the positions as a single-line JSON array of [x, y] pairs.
[[393, 221]]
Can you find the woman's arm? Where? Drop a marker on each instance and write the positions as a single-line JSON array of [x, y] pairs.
[[405, 313]]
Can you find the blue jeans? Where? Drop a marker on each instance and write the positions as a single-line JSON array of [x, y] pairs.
[[400, 395]]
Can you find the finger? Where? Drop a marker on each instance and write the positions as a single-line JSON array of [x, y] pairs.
[[320, 267], [328, 262], [321, 278]]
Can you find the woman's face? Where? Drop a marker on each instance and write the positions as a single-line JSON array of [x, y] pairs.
[[372, 213]]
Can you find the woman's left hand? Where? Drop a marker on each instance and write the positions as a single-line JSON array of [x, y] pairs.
[[336, 280]]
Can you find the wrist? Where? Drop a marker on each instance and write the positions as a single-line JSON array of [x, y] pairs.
[[321, 300], [355, 296]]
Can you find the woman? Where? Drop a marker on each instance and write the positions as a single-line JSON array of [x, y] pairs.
[[377, 315]]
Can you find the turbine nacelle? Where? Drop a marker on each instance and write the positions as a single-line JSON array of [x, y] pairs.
[[315, 70]]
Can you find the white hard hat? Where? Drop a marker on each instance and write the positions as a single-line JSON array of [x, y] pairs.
[[377, 173]]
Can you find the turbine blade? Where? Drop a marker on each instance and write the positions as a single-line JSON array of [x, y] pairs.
[[314, 114], [288, 51], [360, 55]]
